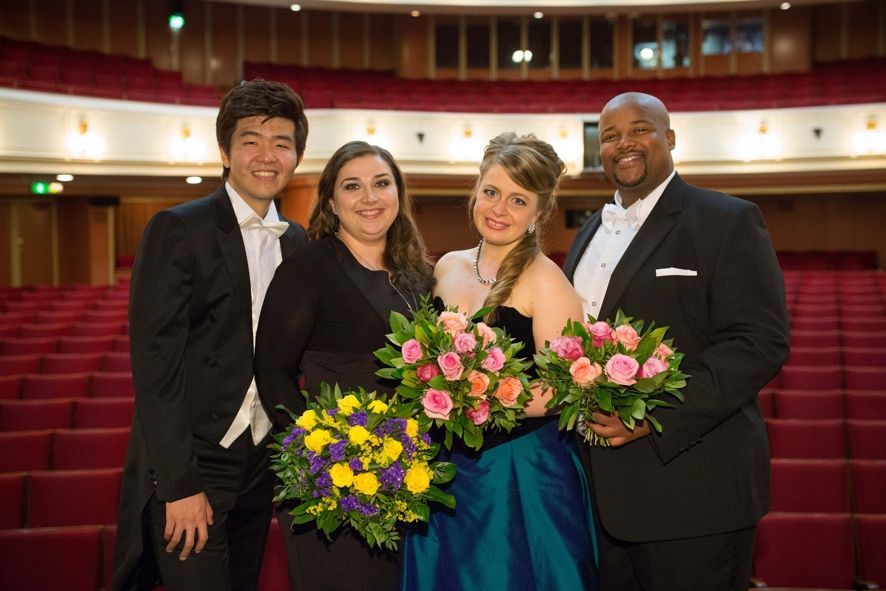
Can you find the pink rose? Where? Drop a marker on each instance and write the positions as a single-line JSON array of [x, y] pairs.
[[627, 336], [663, 352], [479, 383], [569, 348], [583, 371], [653, 366], [486, 333], [453, 322], [600, 333], [412, 351], [437, 404], [464, 342], [494, 361], [621, 369], [450, 364], [479, 415], [427, 372], [508, 391]]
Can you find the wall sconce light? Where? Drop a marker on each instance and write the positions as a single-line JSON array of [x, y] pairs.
[[185, 148], [761, 145], [82, 143], [466, 148], [870, 140], [370, 129]]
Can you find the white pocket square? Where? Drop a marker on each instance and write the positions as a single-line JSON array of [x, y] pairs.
[[669, 271]]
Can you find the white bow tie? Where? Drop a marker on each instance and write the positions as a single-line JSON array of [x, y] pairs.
[[616, 215], [276, 229]]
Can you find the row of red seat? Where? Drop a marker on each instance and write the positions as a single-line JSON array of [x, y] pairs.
[[62, 449], [854, 339], [855, 439], [66, 413], [97, 384], [830, 377], [807, 405], [58, 363], [83, 559]]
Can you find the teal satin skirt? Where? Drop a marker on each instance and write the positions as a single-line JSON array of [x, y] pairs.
[[523, 520]]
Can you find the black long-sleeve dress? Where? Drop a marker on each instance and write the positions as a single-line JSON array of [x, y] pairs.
[[323, 316]]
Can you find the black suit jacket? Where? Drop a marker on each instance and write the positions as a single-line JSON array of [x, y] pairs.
[[708, 472], [190, 320]]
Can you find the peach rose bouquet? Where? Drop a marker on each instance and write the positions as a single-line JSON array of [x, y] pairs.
[[354, 459], [461, 374], [612, 367]]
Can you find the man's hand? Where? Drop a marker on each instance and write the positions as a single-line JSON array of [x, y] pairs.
[[191, 517], [610, 427]]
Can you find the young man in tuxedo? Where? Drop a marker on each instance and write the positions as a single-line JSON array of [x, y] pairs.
[[196, 497], [678, 510]]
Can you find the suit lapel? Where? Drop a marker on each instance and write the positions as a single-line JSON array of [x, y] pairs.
[[230, 241], [659, 223], [581, 243], [294, 236]]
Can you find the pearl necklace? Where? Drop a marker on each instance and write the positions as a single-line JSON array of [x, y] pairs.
[[479, 277]]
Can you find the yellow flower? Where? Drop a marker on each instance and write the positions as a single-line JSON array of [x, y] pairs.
[[348, 404], [342, 475], [392, 449], [377, 406], [307, 420], [418, 478], [411, 427], [358, 434], [366, 483], [317, 440]]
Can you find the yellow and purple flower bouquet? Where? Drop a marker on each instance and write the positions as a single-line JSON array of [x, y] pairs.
[[614, 367], [460, 373], [355, 459]]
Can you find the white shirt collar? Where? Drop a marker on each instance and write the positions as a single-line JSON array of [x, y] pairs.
[[242, 209], [646, 204]]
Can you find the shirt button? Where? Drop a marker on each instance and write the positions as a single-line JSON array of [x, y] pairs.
[[594, 304], [617, 232], [603, 265]]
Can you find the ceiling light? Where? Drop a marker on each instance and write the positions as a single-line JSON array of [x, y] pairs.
[[295, 7], [415, 13], [538, 14], [64, 178], [785, 5], [194, 180]]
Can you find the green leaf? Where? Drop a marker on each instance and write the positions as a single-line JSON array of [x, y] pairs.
[[435, 494]]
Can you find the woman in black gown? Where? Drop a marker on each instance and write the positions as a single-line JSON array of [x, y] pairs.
[[324, 314]]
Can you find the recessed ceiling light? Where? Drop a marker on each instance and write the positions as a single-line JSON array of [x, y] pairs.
[[64, 178], [295, 7], [415, 13], [194, 180], [538, 14], [785, 5]]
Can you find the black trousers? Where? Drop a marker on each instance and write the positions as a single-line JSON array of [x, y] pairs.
[[239, 486], [720, 562]]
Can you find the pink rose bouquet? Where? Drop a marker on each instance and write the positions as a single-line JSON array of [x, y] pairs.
[[459, 373], [612, 367]]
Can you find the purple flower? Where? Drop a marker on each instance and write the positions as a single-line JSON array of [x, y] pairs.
[[356, 464], [392, 425], [337, 450], [408, 446], [349, 503], [358, 418], [332, 411], [316, 461], [368, 509], [426, 438], [392, 476]]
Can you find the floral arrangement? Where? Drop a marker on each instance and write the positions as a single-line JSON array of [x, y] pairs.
[[461, 374], [355, 459], [613, 367]]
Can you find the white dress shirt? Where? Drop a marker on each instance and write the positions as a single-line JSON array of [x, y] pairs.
[[594, 269], [263, 254]]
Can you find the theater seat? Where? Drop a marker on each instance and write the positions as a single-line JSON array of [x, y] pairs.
[[115, 384], [78, 449], [823, 439], [867, 439], [866, 405], [10, 387], [869, 485], [805, 550], [12, 496], [85, 344], [866, 378], [72, 385], [872, 549], [73, 497], [70, 363], [117, 361], [803, 377], [20, 364], [25, 415], [50, 559], [24, 450], [21, 346], [810, 486], [274, 575], [103, 412], [809, 404]]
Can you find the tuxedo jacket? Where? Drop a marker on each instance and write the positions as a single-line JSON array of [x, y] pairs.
[[191, 342], [708, 471]]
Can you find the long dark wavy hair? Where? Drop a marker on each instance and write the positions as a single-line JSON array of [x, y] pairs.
[[533, 164], [405, 252]]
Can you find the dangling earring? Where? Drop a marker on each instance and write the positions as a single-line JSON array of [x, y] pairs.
[[531, 228]]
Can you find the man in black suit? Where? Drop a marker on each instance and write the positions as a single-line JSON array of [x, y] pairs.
[[678, 510], [196, 497]]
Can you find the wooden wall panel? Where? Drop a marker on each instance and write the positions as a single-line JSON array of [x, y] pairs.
[[130, 219], [791, 40], [51, 18], [5, 243], [384, 36], [192, 41], [289, 37], [157, 35], [414, 48], [827, 27], [15, 22], [223, 58], [862, 21], [74, 252], [256, 34], [320, 39], [34, 219], [124, 17], [352, 41], [89, 25]]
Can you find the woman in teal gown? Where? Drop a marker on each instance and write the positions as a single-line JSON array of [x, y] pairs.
[[523, 518]]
